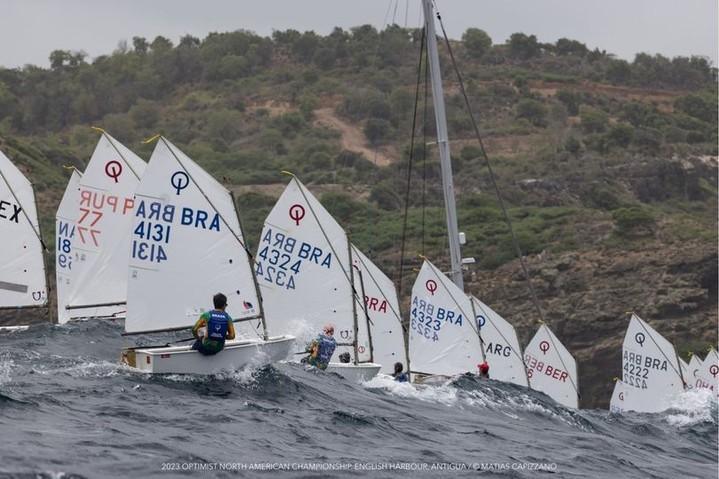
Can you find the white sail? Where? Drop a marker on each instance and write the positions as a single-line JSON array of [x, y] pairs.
[[708, 372], [22, 265], [684, 367], [650, 368], [619, 397], [501, 346], [443, 336], [186, 245], [103, 216], [303, 269], [551, 368], [66, 258], [695, 364], [382, 306]]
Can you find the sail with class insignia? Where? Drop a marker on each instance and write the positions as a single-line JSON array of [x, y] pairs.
[[501, 346], [650, 368], [185, 246], [22, 264], [551, 368], [304, 270], [102, 214], [443, 336]]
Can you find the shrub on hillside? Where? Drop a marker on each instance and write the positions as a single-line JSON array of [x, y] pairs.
[[593, 120], [633, 220], [533, 111]]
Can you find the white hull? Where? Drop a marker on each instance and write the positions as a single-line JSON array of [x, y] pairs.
[[13, 328], [236, 355], [355, 372]]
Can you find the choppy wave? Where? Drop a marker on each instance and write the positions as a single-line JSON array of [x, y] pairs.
[[68, 405]]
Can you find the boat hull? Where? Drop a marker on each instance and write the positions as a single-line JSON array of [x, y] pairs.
[[355, 372], [236, 355]]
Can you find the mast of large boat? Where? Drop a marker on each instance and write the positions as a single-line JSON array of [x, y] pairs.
[[443, 144]]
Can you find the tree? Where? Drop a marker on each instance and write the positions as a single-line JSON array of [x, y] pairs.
[[523, 47], [144, 114], [698, 106], [533, 111], [621, 134], [593, 121], [571, 100], [476, 42], [58, 58], [377, 130], [619, 71], [140, 45], [160, 44], [565, 46]]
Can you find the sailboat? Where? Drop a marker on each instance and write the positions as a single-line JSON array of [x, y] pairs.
[[385, 339], [186, 245], [651, 372], [66, 259], [307, 275], [93, 225], [501, 345], [23, 280], [444, 338], [551, 368], [619, 397], [707, 375]]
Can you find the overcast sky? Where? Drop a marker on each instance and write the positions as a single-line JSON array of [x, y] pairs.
[[30, 29]]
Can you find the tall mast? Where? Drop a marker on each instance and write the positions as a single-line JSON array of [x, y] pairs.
[[443, 144]]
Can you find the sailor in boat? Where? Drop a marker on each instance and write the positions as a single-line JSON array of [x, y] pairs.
[[213, 328], [399, 375], [483, 370], [322, 348]]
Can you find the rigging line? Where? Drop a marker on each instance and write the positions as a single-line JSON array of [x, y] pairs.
[[406, 12], [208, 199], [684, 383], [312, 210], [507, 219], [386, 15], [394, 15], [409, 169], [424, 147], [24, 213]]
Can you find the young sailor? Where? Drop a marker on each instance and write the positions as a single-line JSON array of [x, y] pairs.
[[322, 348], [398, 375], [213, 327], [483, 370]]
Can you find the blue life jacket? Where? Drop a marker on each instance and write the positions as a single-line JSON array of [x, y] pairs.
[[402, 378], [217, 325], [326, 348]]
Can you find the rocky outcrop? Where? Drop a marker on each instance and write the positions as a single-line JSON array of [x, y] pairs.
[[587, 297]]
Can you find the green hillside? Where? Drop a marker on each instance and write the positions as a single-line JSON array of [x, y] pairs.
[[602, 162]]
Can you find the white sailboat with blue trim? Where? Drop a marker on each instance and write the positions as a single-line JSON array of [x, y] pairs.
[[187, 245]]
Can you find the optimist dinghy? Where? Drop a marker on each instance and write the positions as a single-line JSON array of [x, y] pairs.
[[306, 271], [187, 244], [93, 234], [23, 282], [551, 368], [651, 372]]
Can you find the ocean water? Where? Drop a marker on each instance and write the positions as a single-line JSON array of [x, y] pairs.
[[69, 409]]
